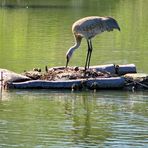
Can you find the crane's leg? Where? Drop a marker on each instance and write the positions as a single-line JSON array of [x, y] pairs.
[[90, 51], [88, 55]]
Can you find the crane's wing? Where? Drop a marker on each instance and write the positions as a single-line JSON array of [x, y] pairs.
[[109, 23], [89, 27]]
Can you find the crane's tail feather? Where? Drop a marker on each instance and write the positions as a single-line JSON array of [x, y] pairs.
[[110, 24]]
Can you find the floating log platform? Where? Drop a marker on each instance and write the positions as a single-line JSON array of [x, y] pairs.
[[97, 77], [98, 83]]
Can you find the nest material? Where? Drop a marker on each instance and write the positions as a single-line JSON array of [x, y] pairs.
[[71, 73], [137, 81]]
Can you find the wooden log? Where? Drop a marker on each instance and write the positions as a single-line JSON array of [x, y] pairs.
[[105, 68], [111, 68], [67, 84], [99, 83], [124, 69], [106, 83], [136, 76], [136, 81], [15, 80], [10, 76]]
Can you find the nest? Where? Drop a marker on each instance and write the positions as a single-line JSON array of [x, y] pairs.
[[70, 73]]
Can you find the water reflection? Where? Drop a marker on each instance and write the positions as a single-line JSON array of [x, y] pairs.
[[87, 128], [73, 119]]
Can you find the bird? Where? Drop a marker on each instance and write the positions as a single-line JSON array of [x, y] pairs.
[[88, 28]]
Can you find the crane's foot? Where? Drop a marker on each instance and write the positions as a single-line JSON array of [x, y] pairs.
[[86, 72]]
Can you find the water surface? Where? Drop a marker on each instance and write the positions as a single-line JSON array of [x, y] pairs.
[[35, 37], [73, 119]]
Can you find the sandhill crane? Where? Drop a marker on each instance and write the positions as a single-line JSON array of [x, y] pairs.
[[88, 28]]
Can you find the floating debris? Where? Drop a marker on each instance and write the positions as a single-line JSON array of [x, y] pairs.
[[97, 77], [137, 81]]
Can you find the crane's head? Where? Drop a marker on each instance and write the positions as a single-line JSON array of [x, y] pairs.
[[72, 49]]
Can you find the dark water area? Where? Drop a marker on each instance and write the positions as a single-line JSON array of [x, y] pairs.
[[38, 33]]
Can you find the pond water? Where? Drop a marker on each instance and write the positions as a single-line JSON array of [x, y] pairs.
[[46, 118], [37, 36]]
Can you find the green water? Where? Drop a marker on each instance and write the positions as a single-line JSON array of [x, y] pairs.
[[38, 33], [36, 37], [46, 118]]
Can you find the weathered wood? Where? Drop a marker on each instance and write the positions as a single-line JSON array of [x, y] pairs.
[[111, 68], [124, 69], [137, 81], [105, 68], [99, 83], [10, 76], [136, 76], [67, 84], [97, 77], [106, 83]]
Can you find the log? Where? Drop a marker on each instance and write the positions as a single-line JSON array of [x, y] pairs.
[[124, 69], [67, 84], [10, 76], [111, 68], [105, 68], [99, 83], [136, 81], [106, 83], [102, 68], [136, 76], [110, 78]]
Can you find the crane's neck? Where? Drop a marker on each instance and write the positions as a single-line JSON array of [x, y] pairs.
[[74, 47]]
